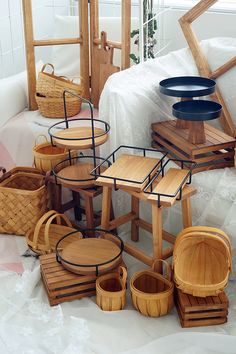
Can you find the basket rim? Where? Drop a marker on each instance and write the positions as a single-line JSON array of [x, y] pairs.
[[57, 99], [21, 191], [43, 145]]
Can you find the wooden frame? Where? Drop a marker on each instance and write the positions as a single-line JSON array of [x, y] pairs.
[[31, 43], [201, 61]]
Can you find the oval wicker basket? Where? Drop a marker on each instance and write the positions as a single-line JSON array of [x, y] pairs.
[[54, 107], [52, 86], [202, 261], [47, 156], [43, 238], [111, 290], [151, 292]]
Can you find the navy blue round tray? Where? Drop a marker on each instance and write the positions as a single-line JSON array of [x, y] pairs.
[[196, 110], [187, 86]]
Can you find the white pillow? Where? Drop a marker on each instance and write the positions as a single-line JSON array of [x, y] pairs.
[[66, 59], [14, 94]]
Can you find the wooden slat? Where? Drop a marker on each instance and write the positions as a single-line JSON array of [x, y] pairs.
[[137, 253], [122, 220], [56, 41]]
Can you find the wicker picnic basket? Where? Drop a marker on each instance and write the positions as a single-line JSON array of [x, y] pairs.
[[23, 200], [202, 261], [47, 156], [49, 94], [50, 228], [111, 290], [151, 292]]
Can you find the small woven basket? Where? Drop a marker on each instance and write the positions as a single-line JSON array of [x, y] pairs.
[[50, 228], [23, 200], [54, 107], [151, 292], [202, 261], [47, 156], [52, 86]]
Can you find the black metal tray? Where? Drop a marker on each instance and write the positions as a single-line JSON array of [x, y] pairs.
[[197, 110], [187, 86]]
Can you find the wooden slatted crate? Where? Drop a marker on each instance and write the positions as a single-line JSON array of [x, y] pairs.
[[216, 152], [196, 311]]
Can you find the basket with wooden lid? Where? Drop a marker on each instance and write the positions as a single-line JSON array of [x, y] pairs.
[[202, 261]]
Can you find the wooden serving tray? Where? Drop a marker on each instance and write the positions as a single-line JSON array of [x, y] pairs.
[[79, 133], [130, 168], [90, 251]]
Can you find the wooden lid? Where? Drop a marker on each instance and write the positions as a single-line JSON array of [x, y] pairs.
[[90, 251], [79, 133]]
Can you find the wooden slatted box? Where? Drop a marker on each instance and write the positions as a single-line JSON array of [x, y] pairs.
[[196, 311], [216, 152]]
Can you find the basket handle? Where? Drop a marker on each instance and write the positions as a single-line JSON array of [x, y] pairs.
[[44, 67], [168, 268], [123, 276], [60, 218], [39, 224], [40, 135]]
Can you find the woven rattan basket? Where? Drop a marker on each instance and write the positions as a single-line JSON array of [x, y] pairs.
[[202, 261], [151, 292], [47, 156], [52, 86], [54, 107], [50, 228], [23, 200]]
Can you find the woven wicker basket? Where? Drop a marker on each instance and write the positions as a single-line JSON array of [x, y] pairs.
[[151, 292], [202, 261], [23, 200], [53, 86], [46, 156], [50, 228], [54, 107]]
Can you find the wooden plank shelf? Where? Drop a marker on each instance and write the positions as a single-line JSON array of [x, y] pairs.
[[216, 152], [197, 311]]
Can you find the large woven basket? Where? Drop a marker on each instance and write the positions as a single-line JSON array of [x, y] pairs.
[[54, 107], [50, 228], [202, 261], [23, 200], [47, 156], [151, 292], [52, 86]]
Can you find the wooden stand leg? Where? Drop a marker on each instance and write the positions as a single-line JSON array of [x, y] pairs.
[[88, 206], [186, 213], [77, 210], [182, 124], [106, 208], [134, 225], [196, 133], [56, 199], [157, 234]]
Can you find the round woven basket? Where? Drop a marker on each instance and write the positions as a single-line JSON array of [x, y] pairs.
[[151, 292], [54, 107], [47, 156], [50, 228], [202, 261]]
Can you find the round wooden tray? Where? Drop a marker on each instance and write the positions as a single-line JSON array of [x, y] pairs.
[[187, 86], [197, 110], [89, 255]]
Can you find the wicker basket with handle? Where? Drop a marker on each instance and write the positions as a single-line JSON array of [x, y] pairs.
[[52, 86], [47, 156], [111, 290], [202, 261], [151, 292], [50, 228], [54, 107], [23, 200]]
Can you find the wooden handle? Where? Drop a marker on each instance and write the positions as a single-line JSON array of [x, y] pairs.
[[123, 276], [39, 224], [168, 268], [44, 66], [40, 135], [65, 78], [60, 218]]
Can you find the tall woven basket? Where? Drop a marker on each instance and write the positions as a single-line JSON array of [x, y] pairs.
[[23, 200]]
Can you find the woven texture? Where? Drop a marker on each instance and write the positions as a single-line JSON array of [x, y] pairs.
[[23, 200]]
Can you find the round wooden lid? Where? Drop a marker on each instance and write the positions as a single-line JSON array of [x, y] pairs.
[[90, 251], [79, 133]]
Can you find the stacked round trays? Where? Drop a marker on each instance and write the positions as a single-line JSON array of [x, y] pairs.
[[192, 113], [78, 134]]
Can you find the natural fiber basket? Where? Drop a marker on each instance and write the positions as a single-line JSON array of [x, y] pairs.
[[151, 292], [111, 290], [50, 228], [54, 107], [47, 156], [52, 86], [202, 261], [23, 200]]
